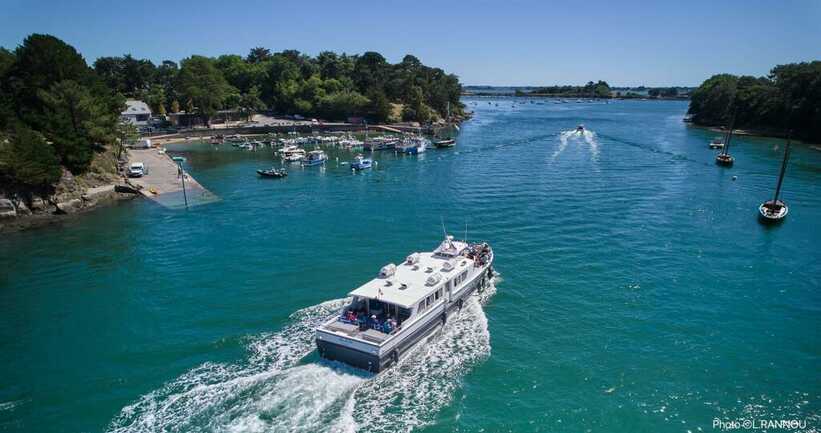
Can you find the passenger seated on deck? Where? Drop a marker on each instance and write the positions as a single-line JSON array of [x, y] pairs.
[[386, 327], [350, 316]]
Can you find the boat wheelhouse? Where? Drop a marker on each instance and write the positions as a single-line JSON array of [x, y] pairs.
[[405, 304]]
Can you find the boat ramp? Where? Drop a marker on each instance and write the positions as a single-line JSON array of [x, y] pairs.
[[165, 181]]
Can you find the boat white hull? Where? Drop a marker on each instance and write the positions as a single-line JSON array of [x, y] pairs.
[[374, 357], [766, 214]]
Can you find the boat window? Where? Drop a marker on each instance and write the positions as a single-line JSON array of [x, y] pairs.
[[438, 294], [421, 307], [403, 315], [430, 300], [376, 306]]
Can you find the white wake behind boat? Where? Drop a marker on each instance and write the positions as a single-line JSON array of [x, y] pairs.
[[405, 304]]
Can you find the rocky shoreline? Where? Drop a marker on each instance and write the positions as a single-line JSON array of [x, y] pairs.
[[72, 195]]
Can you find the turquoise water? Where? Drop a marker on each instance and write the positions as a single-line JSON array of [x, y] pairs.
[[637, 291]]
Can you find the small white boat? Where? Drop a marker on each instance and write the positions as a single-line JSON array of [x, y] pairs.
[[773, 210], [717, 143], [314, 157], [361, 163], [294, 155]]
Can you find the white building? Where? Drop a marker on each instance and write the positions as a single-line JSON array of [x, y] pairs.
[[136, 112]]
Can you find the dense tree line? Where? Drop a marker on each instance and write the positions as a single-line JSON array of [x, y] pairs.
[[331, 86], [599, 89], [54, 111], [57, 111], [789, 98], [664, 92]]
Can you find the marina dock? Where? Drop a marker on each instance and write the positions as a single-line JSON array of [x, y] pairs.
[[163, 181]]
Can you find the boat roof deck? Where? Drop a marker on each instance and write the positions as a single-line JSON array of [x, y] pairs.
[[409, 285]]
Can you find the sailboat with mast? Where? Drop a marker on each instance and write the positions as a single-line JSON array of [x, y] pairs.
[[449, 141], [775, 210], [724, 158]]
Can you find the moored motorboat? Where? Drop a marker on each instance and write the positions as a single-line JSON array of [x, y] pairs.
[[380, 143], [294, 155], [449, 142], [717, 143], [404, 305], [272, 172], [314, 157], [413, 145], [361, 163]]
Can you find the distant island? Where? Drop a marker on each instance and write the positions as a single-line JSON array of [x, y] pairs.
[[788, 99], [599, 89]]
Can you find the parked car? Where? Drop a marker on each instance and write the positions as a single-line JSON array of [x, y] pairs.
[[136, 169]]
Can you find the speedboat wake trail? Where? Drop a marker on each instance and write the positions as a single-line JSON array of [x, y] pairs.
[[579, 135], [277, 389]]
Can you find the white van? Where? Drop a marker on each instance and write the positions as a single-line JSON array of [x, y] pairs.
[[136, 169]]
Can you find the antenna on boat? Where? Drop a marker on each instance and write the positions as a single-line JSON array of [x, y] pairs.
[[466, 230], [443, 226]]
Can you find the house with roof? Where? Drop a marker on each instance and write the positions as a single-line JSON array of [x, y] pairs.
[[136, 112]]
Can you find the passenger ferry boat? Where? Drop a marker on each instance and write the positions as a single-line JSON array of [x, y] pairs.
[[404, 305]]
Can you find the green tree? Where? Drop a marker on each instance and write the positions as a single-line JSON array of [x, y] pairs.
[[258, 55], [379, 107], [78, 123], [28, 161], [250, 102], [202, 83], [7, 116], [710, 102], [42, 60], [370, 71], [155, 98]]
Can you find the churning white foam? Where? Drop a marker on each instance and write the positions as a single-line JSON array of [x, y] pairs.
[[588, 137], [272, 392]]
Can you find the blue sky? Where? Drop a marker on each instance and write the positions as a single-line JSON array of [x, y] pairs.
[[496, 43]]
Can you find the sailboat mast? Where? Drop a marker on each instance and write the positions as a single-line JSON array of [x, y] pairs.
[[783, 168], [729, 136]]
